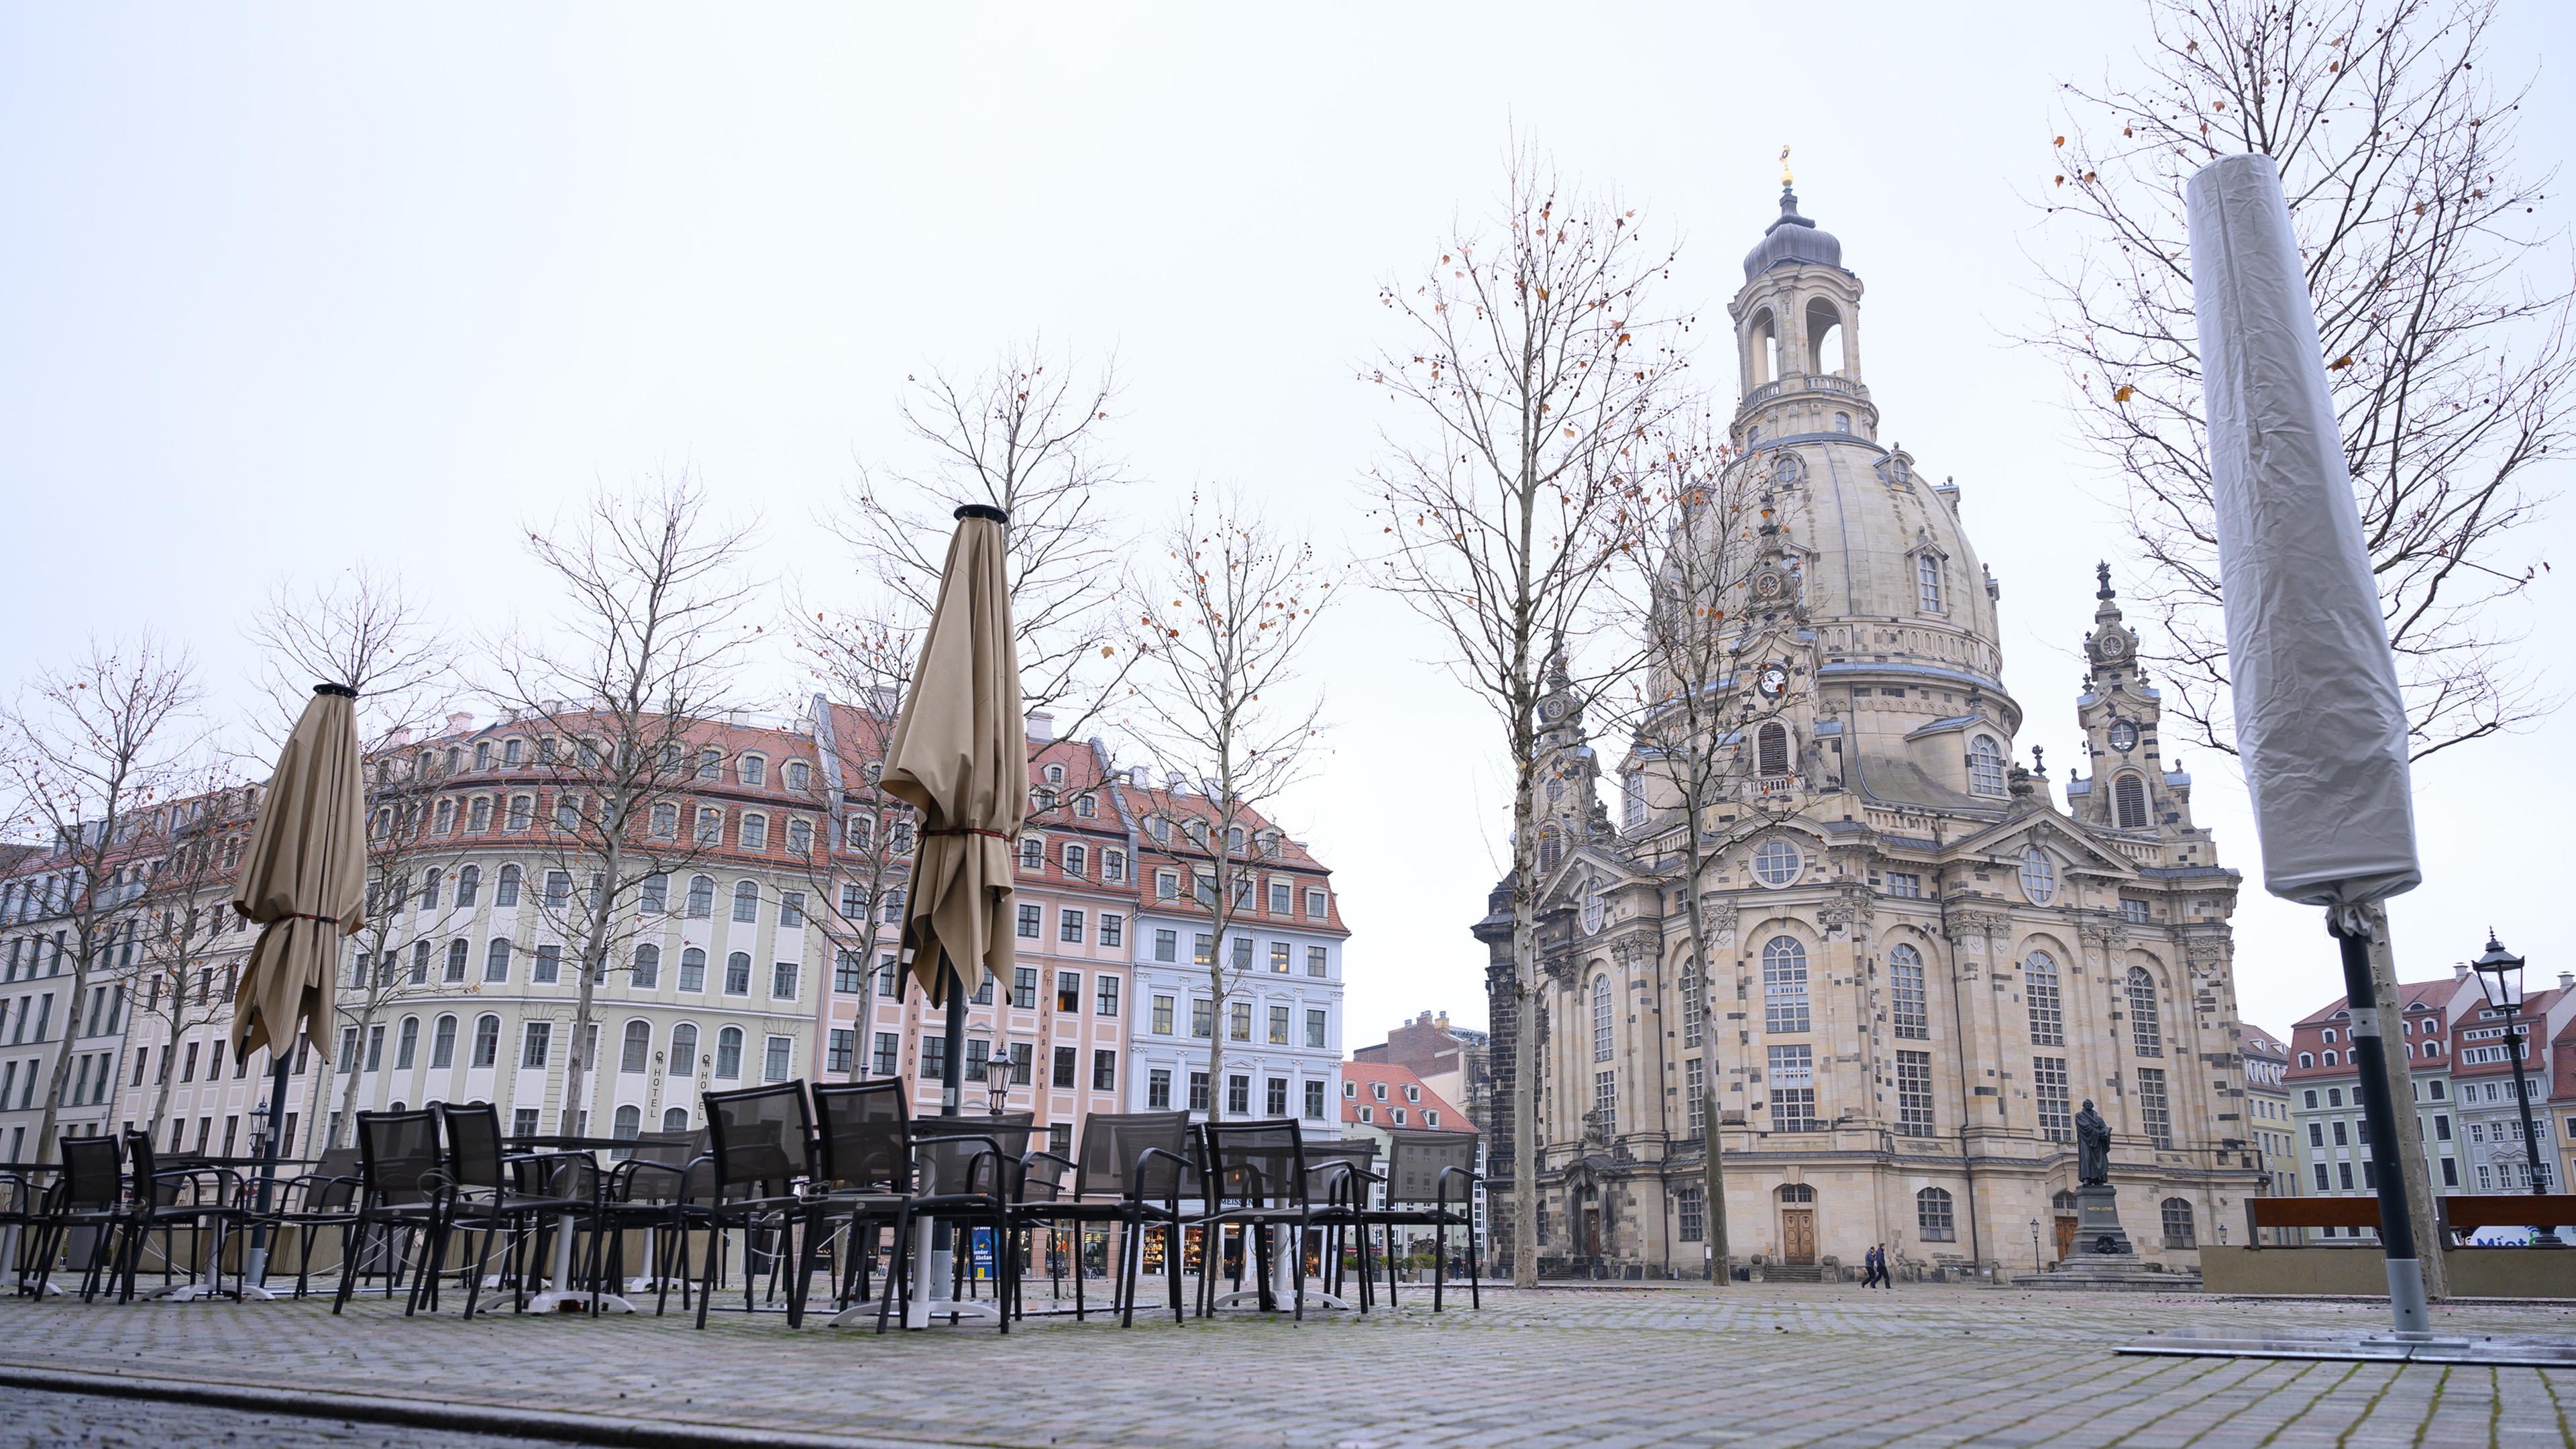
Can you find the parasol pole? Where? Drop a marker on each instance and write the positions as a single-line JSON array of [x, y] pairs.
[[951, 1072], [255, 1272]]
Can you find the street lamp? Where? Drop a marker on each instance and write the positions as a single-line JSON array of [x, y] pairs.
[[997, 1081], [2034, 1247], [259, 1129], [2500, 978]]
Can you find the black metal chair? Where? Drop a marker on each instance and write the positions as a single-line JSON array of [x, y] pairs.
[[862, 1172], [401, 1189], [1134, 1172], [1431, 1182], [517, 1196], [20, 1200], [1339, 1174], [193, 1195], [326, 1197], [964, 1176], [86, 1196], [1256, 1180], [649, 1190], [759, 1142]]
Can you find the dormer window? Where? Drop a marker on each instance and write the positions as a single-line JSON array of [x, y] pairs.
[[796, 774], [1378, 1090], [1927, 582], [1055, 774], [1985, 766]]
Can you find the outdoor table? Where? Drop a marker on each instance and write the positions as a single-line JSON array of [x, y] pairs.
[[558, 1298], [198, 1287]]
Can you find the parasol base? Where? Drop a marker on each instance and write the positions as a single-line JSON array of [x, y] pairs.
[[200, 1292], [1280, 1299], [562, 1301]]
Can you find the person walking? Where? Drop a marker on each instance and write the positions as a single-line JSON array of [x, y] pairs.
[[1886, 1280], [1869, 1265]]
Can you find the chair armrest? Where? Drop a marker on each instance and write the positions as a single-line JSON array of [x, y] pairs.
[[1180, 1166]]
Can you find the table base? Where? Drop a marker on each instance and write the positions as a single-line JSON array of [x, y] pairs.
[[559, 1300]]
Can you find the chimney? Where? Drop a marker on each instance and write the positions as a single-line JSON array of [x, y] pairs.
[[2459, 970], [459, 722], [882, 699], [1136, 777], [1041, 727], [2567, 980], [1177, 783]]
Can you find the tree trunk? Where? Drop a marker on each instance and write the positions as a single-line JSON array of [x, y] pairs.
[[46, 1125], [2401, 1094], [594, 969], [1713, 1216], [1525, 1031], [354, 1067]]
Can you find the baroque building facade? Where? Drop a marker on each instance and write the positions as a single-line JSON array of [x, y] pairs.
[[1921, 964]]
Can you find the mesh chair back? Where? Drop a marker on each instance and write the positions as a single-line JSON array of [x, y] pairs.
[[1254, 1164], [398, 1156], [1321, 1156], [760, 1136], [667, 1149], [1419, 1160], [473, 1145], [698, 1184], [863, 1135], [139, 1157], [956, 1154], [1111, 1143], [93, 1172], [334, 1184]]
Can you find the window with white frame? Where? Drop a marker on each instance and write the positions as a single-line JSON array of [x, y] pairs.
[[1601, 1032], [1784, 985], [1906, 1003], [1985, 766], [1792, 1084]]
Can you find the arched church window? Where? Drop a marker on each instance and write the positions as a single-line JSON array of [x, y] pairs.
[[1784, 984], [2146, 1033], [2129, 794], [1934, 1221], [1692, 1004], [1927, 582], [1905, 992], [1601, 1018], [2039, 990], [2038, 876], [1632, 804], [1763, 342], [1985, 766], [1771, 749], [1824, 338], [1548, 849], [1842, 422]]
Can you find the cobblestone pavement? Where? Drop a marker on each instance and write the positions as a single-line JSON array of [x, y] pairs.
[[1768, 1365]]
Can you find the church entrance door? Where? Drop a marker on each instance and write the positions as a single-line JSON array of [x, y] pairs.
[[1798, 1236], [2065, 1236]]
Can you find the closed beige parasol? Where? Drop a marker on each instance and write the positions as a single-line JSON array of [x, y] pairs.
[[960, 756], [304, 878]]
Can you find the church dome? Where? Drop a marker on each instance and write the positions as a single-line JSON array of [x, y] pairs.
[[1792, 238]]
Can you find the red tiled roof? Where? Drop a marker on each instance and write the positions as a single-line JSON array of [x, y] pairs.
[[1396, 1079]]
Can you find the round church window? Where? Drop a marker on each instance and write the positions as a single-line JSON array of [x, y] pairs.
[[2038, 876], [1777, 863]]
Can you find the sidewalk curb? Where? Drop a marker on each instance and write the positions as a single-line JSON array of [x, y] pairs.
[[539, 1424]]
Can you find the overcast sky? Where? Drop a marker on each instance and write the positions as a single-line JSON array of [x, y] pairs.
[[287, 287]]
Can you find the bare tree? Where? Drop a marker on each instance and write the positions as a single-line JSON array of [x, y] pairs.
[[622, 690], [190, 943], [858, 864], [1537, 371], [1223, 657], [366, 629], [1023, 435], [2446, 351], [1721, 588], [87, 751]]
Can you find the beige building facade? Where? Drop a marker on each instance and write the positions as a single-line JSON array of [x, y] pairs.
[[1923, 964]]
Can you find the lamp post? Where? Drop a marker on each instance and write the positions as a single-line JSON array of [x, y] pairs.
[[997, 1083], [2500, 978], [2035, 1265]]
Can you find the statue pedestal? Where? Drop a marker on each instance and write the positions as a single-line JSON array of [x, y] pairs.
[[2098, 1233], [2103, 1257]]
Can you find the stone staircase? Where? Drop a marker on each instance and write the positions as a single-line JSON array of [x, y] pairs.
[[1793, 1273]]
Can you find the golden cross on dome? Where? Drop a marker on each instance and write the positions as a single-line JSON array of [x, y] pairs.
[[1784, 165]]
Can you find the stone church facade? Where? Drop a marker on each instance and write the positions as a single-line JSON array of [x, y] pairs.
[[1922, 964]]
